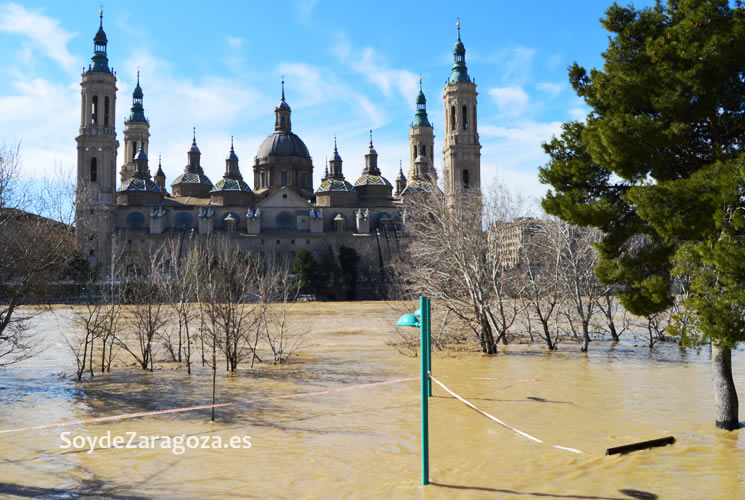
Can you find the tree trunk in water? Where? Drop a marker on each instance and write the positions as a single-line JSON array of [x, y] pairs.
[[488, 345], [725, 394], [612, 328], [547, 336], [585, 336]]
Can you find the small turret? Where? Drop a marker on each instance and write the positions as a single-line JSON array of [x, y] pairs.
[[400, 180], [160, 177], [100, 60], [138, 111], [282, 112], [460, 71]]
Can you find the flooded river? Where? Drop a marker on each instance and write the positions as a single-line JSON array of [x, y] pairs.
[[364, 443]]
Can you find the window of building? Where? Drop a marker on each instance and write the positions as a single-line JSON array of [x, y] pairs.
[[304, 180], [292, 242], [284, 178], [262, 242], [465, 118], [94, 110], [465, 179], [424, 150], [134, 149], [106, 111], [415, 155], [263, 179], [307, 242], [277, 242], [452, 117], [91, 252], [94, 169]]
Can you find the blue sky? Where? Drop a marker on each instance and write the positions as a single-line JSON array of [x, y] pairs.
[[348, 66]]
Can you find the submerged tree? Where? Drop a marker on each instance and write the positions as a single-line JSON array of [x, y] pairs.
[[36, 244], [660, 157]]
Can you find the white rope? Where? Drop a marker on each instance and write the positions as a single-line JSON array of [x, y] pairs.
[[482, 412]]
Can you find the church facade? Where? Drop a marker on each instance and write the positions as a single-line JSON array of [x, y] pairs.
[[273, 209]]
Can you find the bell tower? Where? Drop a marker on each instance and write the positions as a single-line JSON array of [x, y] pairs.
[[97, 147], [461, 150], [422, 138], [136, 134]]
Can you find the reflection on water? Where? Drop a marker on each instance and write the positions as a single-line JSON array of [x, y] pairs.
[[365, 443]]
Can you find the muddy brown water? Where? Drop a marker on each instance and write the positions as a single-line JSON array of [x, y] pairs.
[[365, 443]]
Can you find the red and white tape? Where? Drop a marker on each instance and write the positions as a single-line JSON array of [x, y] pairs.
[[203, 407], [513, 429]]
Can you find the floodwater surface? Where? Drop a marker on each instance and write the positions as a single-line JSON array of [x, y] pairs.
[[365, 442]]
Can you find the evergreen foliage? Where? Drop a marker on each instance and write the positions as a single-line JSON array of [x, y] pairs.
[[658, 165], [308, 277]]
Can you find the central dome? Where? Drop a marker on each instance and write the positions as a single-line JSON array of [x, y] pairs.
[[283, 143]]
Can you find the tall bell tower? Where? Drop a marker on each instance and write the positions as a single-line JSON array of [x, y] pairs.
[[136, 134], [461, 150], [97, 147], [422, 138]]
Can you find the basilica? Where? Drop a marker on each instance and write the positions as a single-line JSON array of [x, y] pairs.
[[276, 209]]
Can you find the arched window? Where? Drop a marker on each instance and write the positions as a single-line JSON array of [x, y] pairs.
[[106, 111], [94, 169], [263, 180], [474, 118], [452, 117], [284, 178], [134, 149], [424, 150], [415, 155], [94, 110], [465, 118], [465, 179]]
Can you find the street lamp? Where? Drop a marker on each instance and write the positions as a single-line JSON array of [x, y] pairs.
[[423, 322]]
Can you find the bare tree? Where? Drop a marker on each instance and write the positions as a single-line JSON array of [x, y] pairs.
[[578, 260], [610, 307], [278, 295], [148, 312], [540, 264], [181, 284], [34, 248], [455, 255], [92, 322], [230, 300]]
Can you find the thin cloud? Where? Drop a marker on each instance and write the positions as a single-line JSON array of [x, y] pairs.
[[370, 64], [234, 41], [44, 34], [512, 102], [552, 89], [316, 85]]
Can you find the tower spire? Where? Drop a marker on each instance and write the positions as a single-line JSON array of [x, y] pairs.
[[100, 62], [282, 122], [460, 72]]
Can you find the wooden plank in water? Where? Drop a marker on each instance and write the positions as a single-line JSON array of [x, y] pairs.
[[640, 446]]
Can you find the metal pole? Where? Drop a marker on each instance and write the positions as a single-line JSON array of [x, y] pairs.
[[424, 306], [427, 323]]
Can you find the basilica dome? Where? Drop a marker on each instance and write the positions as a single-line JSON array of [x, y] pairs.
[[283, 143]]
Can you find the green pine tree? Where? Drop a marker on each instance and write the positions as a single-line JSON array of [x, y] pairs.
[[659, 166], [308, 277]]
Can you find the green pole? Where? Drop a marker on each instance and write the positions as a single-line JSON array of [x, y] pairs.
[[424, 308], [426, 321]]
